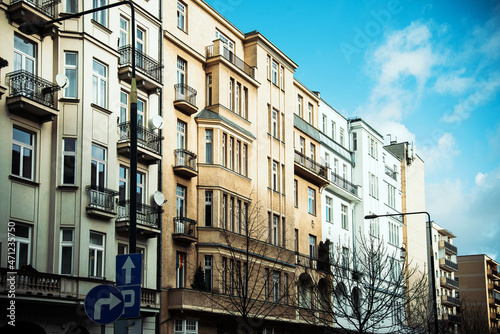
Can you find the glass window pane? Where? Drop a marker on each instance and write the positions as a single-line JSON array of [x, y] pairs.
[[96, 239], [23, 254], [67, 235], [70, 145], [66, 260], [71, 89], [27, 163], [22, 231], [69, 170], [98, 152], [16, 159], [22, 136]]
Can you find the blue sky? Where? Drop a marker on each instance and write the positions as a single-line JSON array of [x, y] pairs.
[[426, 72]]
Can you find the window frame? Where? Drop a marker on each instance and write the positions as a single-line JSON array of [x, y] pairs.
[[181, 16], [98, 251], [99, 96], [65, 154], [180, 269], [329, 209], [71, 68], [23, 146], [99, 162], [311, 195], [344, 217], [21, 240], [66, 244], [209, 139], [101, 17]]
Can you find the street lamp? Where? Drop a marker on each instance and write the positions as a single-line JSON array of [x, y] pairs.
[[37, 27], [431, 258]]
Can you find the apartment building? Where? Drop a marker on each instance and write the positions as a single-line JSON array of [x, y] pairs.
[[447, 287], [66, 165], [480, 289]]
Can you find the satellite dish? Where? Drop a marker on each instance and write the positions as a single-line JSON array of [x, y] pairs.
[[156, 122], [62, 81], [159, 198]]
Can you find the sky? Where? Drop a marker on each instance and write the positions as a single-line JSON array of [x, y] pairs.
[[426, 72]]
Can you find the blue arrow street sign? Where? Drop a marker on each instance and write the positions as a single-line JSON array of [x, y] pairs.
[[132, 301], [128, 269], [104, 304]]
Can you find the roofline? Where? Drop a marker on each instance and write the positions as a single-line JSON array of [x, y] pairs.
[[221, 17], [359, 119], [321, 99], [313, 94], [255, 34]]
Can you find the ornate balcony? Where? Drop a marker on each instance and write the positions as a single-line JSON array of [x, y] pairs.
[[148, 144], [31, 97], [310, 170], [148, 70], [185, 99], [185, 164], [32, 10], [449, 248], [450, 301], [222, 51], [101, 202], [148, 219], [184, 230], [341, 186], [449, 283], [390, 172], [448, 265]]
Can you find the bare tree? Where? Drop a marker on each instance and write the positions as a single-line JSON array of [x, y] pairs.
[[254, 276], [473, 316], [370, 290]]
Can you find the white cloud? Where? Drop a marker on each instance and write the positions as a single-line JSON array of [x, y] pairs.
[[473, 216], [439, 154], [453, 83]]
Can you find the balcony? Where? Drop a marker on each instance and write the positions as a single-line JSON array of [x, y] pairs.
[[32, 10], [452, 318], [31, 97], [185, 99], [391, 172], [220, 50], [448, 265], [101, 202], [493, 272], [148, 219], [148, 144], [450, 301], [184, 230], [148, 70], [496, 285], [310, 262], [449, 283], [185, 164], [449, 248], [310, 170], [343, 187]]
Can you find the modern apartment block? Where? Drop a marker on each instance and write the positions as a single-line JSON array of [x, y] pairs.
[[480, 286], [447, 284], [66, 159]]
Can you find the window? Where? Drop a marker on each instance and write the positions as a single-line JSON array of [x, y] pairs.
[[343, 212], [275, 176], [24, 56], [96, 254], [69, 160], [100, 16], [266, 288], [123, 41], [140, 47], [244, 104], [274, 123], [224, 150], [23, 245], [275, 230], [208, 207], [231, 149], [224, 211], [231, 214], [391, 196], [71, 71], [180, 265], [333, 130], [66, 256], [295, 193], [71, 6], [268, 61], [324, 123], [312, 246], [123, 107], [342, 136], [354, 141], [296, 240], [99, 84], [98, 166], [23, 157], [181, 16], [299, 105], [312, 149], [181, 135], [276, 286], [373, 186], [345, 258], [122, 249], [231, 87], [310, 113], [245, 160], [374, 228], [208, 271], [274, 72], [228, 44], [181, 77], [282, 73], [312, 200], [285, 288], [238, 156], [181, 202], [237, 98], [186, 327], [209, 134], [373, 149], [141, 193], [394, 235], [209, 89], [329, 209], [238, 217]]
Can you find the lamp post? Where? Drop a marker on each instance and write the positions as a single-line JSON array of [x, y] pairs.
[[37, 27], [431, 258]]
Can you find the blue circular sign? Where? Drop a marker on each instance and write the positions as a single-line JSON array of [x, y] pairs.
[[104, 304]]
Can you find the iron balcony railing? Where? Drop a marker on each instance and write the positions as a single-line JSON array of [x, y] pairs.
[[450, 281], [46, 7], [147, 215], [450, 300], [185, 158], [310, 164], [24, 83], [450, 247], [146, 139], [233, 59], [186, 93], [184, 225], [343, 183], [391, 172], [449, 264], [102, 198], [308, 261], [143, 62]]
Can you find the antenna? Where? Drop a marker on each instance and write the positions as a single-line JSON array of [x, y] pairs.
[[158, 198], [156, 122], [62, 81]]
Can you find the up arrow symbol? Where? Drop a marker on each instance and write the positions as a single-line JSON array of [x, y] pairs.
[[128, 266]]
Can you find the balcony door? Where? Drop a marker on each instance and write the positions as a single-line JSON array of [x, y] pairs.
[[181, 79], [181, 142], [139, 47], [25, 60]]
